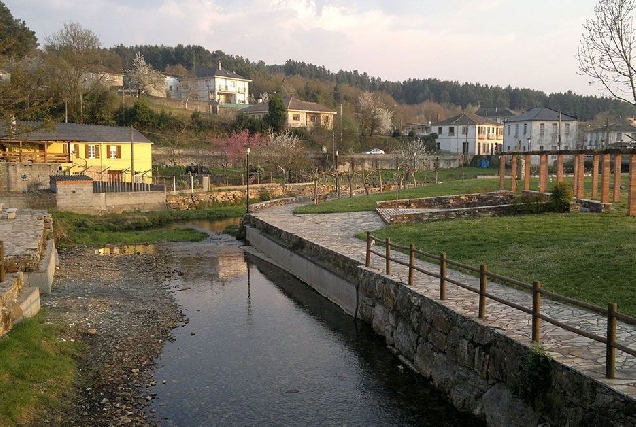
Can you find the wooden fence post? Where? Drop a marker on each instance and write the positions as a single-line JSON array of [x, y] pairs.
[[388, 255], [483, 288], [1, 261], [411, 263], [536, 311], [367, 261], [442, 276], [610, 352]]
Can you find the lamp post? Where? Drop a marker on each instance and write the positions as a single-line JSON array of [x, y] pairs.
[[247, 176], [337, 176]]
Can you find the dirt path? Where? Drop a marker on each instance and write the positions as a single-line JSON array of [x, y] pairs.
[[120, 306]]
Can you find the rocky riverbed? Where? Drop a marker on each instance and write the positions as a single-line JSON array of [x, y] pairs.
[[120, 306]]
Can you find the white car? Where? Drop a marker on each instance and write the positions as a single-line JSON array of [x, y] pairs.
[[374, 151]]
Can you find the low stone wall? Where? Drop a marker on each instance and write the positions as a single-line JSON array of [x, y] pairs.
[[587, 205], [450, 202], [476, 367], [10, 291]]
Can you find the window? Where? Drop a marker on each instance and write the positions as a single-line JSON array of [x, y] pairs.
[[509, 130], [92, 151], [542, 129], [451, 130], [439, 130], [517, 129], [313, 119], [554, 128], [464, 130], [567, 129], [619, 137], [296, 117], [114, 151], [525, 128]]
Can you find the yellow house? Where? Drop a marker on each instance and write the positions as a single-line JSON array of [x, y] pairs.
[[299, 113], [104, 153]]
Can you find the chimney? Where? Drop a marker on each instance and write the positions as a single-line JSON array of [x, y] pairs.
[[220, 66]]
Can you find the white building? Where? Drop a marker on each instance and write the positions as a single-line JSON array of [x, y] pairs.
[[218, 85], [610, 136], [540, 129], [469, 134]]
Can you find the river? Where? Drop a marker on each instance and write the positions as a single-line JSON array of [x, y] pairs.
[[259, 347]]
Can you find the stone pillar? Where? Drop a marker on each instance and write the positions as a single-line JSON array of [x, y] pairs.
[[605, 189], [617, 177], [560, 168], [580, 179], [502, 172], [631, 201], [513, 173], [543, 172], [594, 176], [527, 172]]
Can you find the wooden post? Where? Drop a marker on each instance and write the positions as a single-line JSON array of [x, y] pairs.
[[610, 352], [483, 288], [594, 176], [617, 177], [543, 173], [560, 173], [536, 311], [580, 191], [631, 201], [367, 261], [1, 261], [605, 197], [513, 173], [411, 263], [388, 255], [527, 172], [442, 276]]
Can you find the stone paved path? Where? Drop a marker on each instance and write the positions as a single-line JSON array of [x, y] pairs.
[[337, 232]]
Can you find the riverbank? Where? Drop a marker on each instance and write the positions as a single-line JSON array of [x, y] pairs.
[[120, 307]]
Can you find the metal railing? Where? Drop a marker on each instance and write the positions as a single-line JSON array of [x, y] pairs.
[[611, 313]]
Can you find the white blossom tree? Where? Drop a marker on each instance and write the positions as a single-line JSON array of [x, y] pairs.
[[374, 117], [145, 79]]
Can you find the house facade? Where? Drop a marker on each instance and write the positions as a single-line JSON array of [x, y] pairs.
[[300, 114], [218, 85], [104, 153], [540, 129], [470, 134], [610, 136]]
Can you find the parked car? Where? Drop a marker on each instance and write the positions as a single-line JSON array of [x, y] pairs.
[[374, 151]]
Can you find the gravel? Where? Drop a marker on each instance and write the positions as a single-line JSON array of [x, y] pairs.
[[122, 308]]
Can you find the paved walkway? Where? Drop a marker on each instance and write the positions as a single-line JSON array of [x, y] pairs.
[[337, 232], [22, 235]]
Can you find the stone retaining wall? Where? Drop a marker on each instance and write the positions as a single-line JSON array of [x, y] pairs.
[[10, 291], [479, 369], [449, 202]]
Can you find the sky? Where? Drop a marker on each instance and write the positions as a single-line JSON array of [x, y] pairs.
[[492, 42]]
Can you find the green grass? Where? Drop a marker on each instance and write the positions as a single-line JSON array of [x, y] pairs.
[[36, 370], [590, 257], [134, 227]]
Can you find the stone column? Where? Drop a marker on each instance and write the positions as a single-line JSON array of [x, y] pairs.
[[527, 172], [605, 189], [617, 177], [543, 173], [594, 176], [502, 172], [560, 168], [580, 179], [631, 201]]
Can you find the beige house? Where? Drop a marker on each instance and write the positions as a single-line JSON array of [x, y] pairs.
[[300, 114]]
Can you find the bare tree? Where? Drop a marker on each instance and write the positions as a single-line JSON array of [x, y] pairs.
[[607, 45]]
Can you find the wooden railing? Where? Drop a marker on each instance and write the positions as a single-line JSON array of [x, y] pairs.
[[611, 312], [34, 157]]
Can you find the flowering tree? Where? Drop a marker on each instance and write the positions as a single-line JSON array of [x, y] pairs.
[[374, 117], [284, 152], [144, 78]]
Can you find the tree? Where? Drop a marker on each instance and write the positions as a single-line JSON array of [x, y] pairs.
[[144, 79], [276, 117], [607, 46], [73, 53], [374, 117], [16, 39], [284, 152]]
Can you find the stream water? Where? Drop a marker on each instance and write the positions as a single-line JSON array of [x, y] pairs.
[[260, 347]]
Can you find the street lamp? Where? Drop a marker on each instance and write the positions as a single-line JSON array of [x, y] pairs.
[[247, 175], [337, 176]]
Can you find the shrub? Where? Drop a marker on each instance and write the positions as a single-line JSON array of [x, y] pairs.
[[561, 197]]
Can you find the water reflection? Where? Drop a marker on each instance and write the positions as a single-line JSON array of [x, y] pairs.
[[262, 348]]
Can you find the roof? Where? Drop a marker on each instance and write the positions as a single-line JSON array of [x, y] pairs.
[[466, 119], [82, 133], [541, 114], [291, 104], [217, 72], [495, 112], [615, 127]]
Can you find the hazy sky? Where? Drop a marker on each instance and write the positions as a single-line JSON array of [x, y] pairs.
[[528, 44]]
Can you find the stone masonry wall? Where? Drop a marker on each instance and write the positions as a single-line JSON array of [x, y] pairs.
[[476, 367]]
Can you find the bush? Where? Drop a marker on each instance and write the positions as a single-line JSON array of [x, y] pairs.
[[561, 197]]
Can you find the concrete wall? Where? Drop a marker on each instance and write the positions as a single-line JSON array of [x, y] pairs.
[[21, 177], [479, 369]]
